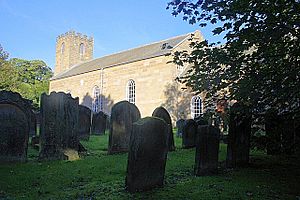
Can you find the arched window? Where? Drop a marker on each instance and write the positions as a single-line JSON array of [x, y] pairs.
[[96, 99], [130, 91], [62, 48], [81, 49], [196, 106]]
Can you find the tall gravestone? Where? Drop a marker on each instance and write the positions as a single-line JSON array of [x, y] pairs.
[[189, 134], [99, 123], [180, 124], [59, 126], [162, 113], [15, 121], [207, 150], [123, 115], [147, 155], [84, 128], [273, 133], [33, 125], [238, 147]]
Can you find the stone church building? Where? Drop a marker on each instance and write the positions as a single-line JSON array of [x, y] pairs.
[[143, 76]]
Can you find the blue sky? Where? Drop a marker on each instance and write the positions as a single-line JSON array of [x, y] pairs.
[[29, 27]]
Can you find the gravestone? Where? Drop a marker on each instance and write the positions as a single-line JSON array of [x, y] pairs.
[[179, 124], [238, 147], [200, 121], [99, 123], [59, 125], [162, 113], [15, 121], [207, 150], [147, 155], [189, 134], [273, 133], [123, 115], [84, 123]]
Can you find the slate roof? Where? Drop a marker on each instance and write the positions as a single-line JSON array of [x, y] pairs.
[[160, 48]]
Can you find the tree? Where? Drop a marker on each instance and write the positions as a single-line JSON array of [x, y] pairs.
[[8, 75], [30, 78], [259, 63]]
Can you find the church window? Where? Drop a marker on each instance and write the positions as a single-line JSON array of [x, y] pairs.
[[196, 106], [130, 91], [81, 49], [62, 48], [96, 99]]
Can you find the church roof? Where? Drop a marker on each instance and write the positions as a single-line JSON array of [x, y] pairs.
[[160, 48]]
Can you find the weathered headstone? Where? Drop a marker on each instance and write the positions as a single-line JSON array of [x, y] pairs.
[[238, 147], [35, 142], [99, 123], [207, 150], [189, 134], [162, 113], [84, 123], [179, 124], [15, 116], [147, 155], [123, 115], [273, 133], [59, 125]]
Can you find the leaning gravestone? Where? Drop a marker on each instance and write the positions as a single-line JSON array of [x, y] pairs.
[[207, 150], [123, 115], [99, 123], [162, 113], [189, 134], [59, 126], [147, 155], [84, 123], [15, 116], [238, 147], [179, 124]]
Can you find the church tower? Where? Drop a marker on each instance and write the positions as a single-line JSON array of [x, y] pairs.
[[71, 49]]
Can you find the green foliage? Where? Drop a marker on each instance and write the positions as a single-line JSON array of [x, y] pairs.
[[30, 78], [259, 63], [102, 176]]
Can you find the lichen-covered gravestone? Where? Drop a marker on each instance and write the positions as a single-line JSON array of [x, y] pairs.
[[207, 150], [84, 123], [147, 155], [99, 123], [189, 134], [238, 147], [123, 115], [162, 113], [59, 126], [15, 116], [179, 124]]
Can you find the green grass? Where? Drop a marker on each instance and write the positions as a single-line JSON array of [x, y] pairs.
[[101, 176]]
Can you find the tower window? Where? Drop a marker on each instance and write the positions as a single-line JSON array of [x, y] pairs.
[[196, 106], [130, 91], [96, 99], [62, 48], [81, 49]]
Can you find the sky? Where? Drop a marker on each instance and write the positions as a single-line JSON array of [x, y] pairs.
[[29, 27]]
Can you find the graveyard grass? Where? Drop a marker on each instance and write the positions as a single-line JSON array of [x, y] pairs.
[[101, 176]]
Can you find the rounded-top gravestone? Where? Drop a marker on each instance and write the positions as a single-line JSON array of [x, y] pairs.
[[15, 116], [123, 115], [84, 123], [162, 113], [148, 149], [189, 134], [99, 123]]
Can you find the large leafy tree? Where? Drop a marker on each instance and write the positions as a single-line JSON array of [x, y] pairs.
[[30, 78], [259, 63]]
